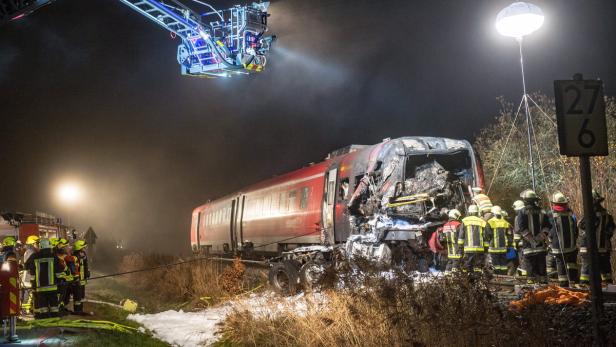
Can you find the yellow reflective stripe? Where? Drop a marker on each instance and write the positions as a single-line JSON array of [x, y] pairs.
[[37, 274], [46, 289], [82, 274], [471, 248], [52, 280]]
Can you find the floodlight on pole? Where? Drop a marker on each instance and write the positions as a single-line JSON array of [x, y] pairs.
[[69, 193], [518, 20]]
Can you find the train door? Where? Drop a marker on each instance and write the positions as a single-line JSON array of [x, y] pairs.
[[343, 228], [329, 204], [198, 230], [235, 226]]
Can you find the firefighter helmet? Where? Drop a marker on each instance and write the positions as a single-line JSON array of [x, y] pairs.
[[53, 241], [454, 214], [483, 202], [518, 205], [79, 245], [473, 209], [32, 239], [497, 210], [62, 242], [9, 241], [596, 196], [529, 194], [559, 198]]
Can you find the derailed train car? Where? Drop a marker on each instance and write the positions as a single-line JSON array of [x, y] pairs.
[[383, 200]]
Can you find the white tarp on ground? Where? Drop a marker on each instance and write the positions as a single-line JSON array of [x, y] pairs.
[[188, 329]]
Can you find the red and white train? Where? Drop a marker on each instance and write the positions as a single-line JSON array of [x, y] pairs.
[[309, 206]]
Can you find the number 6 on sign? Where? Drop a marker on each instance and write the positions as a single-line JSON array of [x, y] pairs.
[[580, 115], [586, 138]]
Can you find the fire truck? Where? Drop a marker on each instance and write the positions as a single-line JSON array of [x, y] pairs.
[[21, 225]]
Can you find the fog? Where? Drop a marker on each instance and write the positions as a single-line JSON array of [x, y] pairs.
[[91, 91]]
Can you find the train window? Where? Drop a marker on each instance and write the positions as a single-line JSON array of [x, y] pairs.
[[292, 198], [303, 202], [343, 192], [266, 205], [258, 204], [283, 202], [275, 203]]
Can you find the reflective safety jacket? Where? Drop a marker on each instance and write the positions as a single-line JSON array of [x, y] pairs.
[[501, 235], [475, 234], [531, 225], [72, 265], [43, 266], [451, 230], [84, 271], [604, 230], [564, 232]]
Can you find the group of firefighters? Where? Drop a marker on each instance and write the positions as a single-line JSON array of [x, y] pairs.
[[52, 271], [547, 244]]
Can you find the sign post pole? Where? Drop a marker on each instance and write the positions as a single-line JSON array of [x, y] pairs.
[[596, 295], [582, 132]]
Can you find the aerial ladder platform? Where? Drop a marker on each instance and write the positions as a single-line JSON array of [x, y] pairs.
[[215, 43]]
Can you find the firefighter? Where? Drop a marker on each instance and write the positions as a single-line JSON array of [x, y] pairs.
[[604, 230], [63, 273], [72, 278], [517, 240], [483, 202], [43, 266], [79, 250], [26, 279], [532, 226], [451, 229], [501, 240], [8, 248], [563, 240], [474, 235]]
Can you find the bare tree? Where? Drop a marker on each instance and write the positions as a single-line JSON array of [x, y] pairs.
[[503, 147]]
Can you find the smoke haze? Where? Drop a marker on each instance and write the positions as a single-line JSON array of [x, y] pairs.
[[91, 91]]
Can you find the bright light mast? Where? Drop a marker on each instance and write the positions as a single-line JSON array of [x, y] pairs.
[[518, 20]]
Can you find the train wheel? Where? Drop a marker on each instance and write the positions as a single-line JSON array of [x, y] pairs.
[[283, 277], [310, 275]]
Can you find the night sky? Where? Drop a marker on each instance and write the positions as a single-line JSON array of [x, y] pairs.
[[91, 91]]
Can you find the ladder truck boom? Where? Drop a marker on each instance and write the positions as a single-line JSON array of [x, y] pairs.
[[215, 43]]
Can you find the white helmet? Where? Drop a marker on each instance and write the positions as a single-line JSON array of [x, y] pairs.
[[473, 209], [518, 205], [497, 210], [454, 214]]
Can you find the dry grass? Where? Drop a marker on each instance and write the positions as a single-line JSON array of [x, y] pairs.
[[195, 284], [398, 311]]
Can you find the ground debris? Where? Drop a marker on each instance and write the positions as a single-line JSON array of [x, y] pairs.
[[551, 295]]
